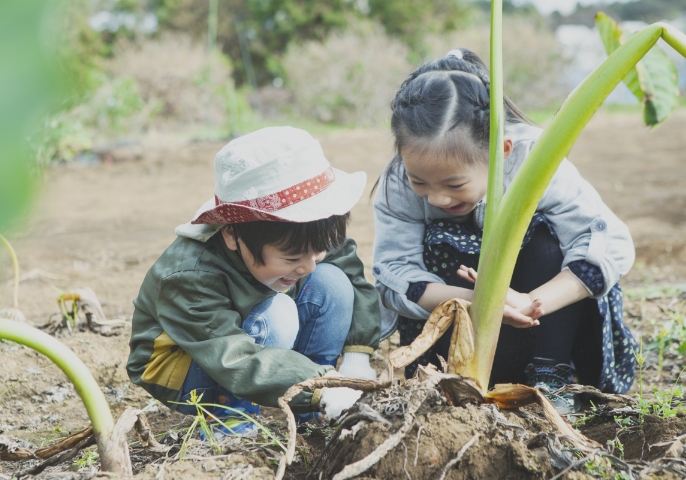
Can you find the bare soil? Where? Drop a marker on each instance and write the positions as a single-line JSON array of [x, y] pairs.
[[102, 226]]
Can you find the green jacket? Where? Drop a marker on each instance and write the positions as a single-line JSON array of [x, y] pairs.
[[191, 306]]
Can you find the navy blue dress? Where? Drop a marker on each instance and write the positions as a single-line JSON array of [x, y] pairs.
[[605, 347]]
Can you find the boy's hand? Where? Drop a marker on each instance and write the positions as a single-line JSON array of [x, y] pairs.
[[356, 365], [335, 400], [520, 310]]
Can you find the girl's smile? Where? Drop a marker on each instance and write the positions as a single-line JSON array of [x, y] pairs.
[[448, 183]]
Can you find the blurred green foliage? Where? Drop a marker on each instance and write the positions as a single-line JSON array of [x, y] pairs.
[[31, 82], [268, 27], [65, 134], [649, 11]]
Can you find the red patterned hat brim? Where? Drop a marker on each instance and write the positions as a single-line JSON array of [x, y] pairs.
[[337, 198]]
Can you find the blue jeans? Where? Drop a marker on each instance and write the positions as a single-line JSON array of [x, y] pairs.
[[316, 324]]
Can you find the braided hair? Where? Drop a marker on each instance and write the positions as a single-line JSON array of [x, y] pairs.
[[444, 107]]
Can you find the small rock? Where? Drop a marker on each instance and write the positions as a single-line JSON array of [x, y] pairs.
[[58, 393]]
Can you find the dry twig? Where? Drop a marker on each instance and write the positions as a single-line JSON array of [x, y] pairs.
[[10, 450]]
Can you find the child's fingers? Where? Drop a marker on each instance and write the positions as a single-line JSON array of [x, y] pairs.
[[518, 319], [466, 273], [534, 310]]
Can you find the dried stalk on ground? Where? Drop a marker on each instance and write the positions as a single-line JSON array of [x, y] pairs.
[[10, 451], [85, 301]]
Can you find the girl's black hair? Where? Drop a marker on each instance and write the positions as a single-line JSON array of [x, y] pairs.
[[444, 107], [293, 238]]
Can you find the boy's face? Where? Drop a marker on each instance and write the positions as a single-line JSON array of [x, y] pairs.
[[281, 270]]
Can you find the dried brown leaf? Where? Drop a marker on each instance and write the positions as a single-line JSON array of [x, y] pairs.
[[437, 324], [510, 395]]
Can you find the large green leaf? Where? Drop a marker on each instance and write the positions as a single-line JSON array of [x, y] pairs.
[[653, 81], [659, 80], [611, 34]]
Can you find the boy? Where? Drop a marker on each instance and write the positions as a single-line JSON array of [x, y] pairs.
[[261, 290]]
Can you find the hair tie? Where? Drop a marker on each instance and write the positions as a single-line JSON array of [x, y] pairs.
[[455, 52]]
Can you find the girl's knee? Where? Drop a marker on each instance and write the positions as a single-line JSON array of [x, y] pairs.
[[273, 322]]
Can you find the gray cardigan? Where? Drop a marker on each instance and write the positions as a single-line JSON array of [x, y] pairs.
[[586, 228]]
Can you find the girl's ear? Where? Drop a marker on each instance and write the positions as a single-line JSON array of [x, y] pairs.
[[229, 238], [507, 147]]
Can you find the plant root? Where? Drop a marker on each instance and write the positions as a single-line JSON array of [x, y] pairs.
[[312, 384], [355, 469], [459, 456]]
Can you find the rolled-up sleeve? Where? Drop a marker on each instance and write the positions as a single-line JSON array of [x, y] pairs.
[[586, 228]]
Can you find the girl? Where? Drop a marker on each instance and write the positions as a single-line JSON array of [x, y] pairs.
[[429, 213]]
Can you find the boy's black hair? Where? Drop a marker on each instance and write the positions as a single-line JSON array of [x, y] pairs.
[[444, 107], [294, 238]]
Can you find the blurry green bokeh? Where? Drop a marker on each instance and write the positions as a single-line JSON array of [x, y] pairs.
[[30, 84]]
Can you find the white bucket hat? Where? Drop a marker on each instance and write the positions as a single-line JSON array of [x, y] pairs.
[[277, 174]]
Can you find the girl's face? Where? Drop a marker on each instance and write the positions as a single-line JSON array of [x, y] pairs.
[[454, 187], [449, 184]]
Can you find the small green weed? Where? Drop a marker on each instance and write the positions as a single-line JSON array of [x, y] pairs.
[[640, 361], [201, 421], [603, 467], [664, 404], [88, 458], [669, 335]]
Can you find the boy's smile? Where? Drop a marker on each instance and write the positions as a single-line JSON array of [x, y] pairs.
[[281, 270]]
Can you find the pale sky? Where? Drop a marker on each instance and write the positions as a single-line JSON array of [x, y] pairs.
[[563, 6]]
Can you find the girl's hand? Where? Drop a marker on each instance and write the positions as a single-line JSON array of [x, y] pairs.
[[520, 310], [524, 318]]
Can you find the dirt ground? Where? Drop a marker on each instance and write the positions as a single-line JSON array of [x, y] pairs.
[[102, 226]]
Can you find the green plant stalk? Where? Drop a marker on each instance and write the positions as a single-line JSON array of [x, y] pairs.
[[15, 264], [497, 122], [72, 366], [518, 205]]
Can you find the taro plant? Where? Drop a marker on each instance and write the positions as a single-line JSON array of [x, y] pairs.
[[32, 83], [508, 215], [113, 453]]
